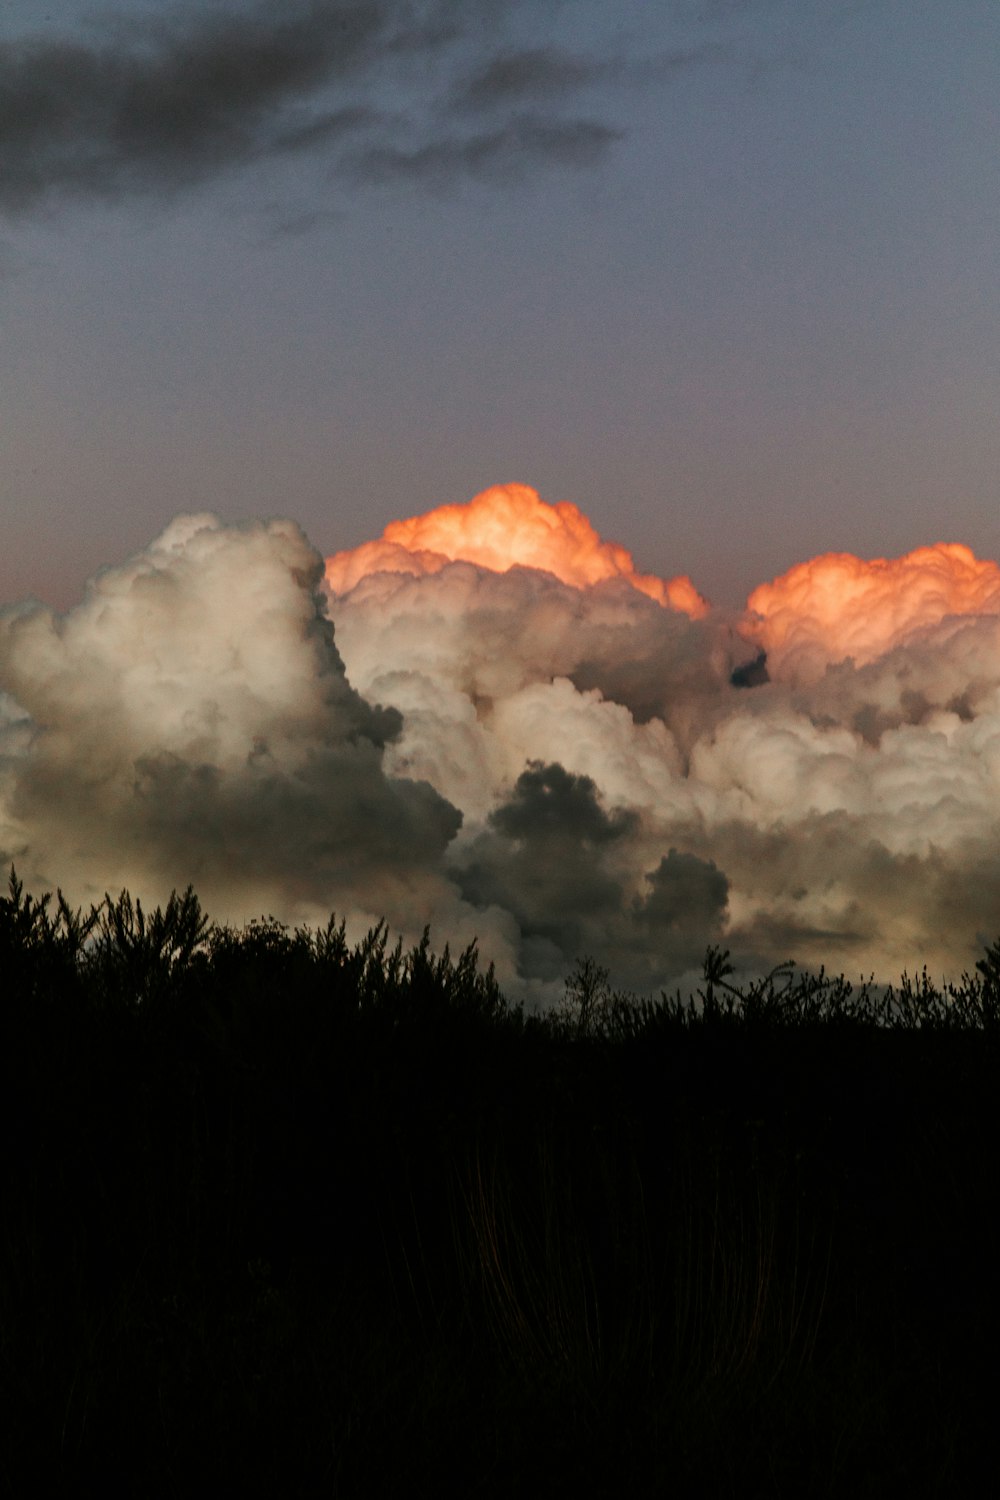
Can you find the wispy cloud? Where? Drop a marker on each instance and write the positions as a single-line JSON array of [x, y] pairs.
[[528, 75], [175, 101], [509, 151], [385, 90]]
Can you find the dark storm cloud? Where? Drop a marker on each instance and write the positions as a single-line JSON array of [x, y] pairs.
[[556, 859], [550, 805], [544, 861], [165, 103], [686, 894]]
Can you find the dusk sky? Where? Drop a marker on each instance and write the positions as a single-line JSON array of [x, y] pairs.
[[721, 272]]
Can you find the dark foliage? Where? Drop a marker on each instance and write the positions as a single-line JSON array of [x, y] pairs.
[[281, 1213]]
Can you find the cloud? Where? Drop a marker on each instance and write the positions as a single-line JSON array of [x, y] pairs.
[[838, 606], [551, 807], [504, 526], [166, 102], [686, 895], [560, 765], [497, 155], [174, 105], [559, 862], [530, 75], [538, 75], [838, 809], [542, 859], [179, 99], [190, 720]]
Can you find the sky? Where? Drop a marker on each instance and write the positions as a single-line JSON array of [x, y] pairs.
[[527, 469], [720, 272]]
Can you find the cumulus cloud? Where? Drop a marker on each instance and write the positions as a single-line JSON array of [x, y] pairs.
[[816, 778], [506, 525], [190, 720], [543, 859], [508, 746], [839, 606]]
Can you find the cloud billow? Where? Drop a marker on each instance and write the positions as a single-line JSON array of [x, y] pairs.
[[541, 859], [489, 721], [191, 720], [805, 780]]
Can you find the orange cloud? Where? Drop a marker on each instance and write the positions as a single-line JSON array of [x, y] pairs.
[[838, 605], [505, 527]]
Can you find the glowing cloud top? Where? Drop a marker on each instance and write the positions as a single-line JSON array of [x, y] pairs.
[[837, 606], [507, 526]]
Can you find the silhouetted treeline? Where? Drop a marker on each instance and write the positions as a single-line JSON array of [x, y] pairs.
[[281, 1213]]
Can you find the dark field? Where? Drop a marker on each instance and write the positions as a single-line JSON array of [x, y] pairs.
[[284, 1216]]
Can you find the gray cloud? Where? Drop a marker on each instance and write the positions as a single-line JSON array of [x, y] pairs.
[[687, 897], [830, 889], [536, 77], [531, 74], [504, 153], [549, 806], [558, 861], [543, 859], [177, 100], [162, 104]]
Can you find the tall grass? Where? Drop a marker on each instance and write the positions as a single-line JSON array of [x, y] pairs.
[[279, 1211]]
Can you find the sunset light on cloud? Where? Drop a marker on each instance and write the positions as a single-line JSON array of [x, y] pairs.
[[505, 527], [837, 605], [486, 720]]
